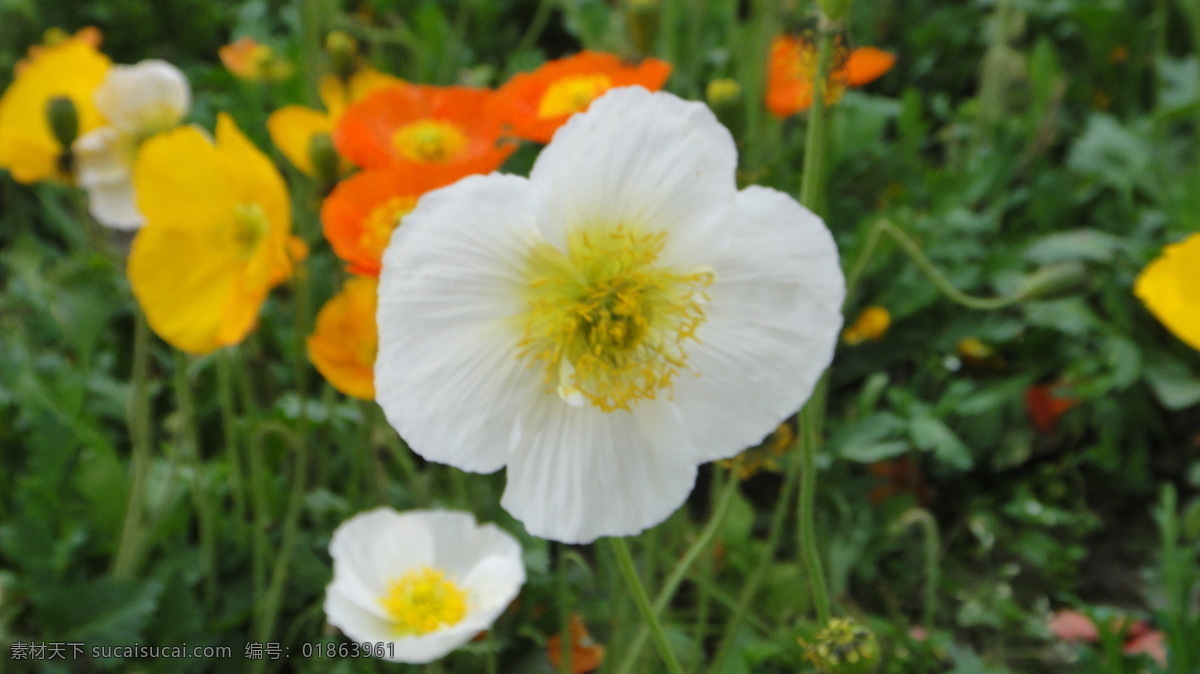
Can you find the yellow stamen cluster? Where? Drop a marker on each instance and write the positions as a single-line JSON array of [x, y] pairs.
[[572, 94], [606, 323], [250, 226], [430, 140], [379, 224], [422, 601]]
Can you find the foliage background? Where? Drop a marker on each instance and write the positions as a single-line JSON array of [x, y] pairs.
[[1011, 136]]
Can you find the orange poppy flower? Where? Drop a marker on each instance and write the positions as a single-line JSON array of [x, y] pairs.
[[586, 654], [535, 104], [445, 131], [793, 66], [361, 212], [293, 127], [344, 341]]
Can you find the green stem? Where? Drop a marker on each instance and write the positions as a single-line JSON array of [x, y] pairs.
[[679, 573], [536, 25], [809, 547], [310, 46], [812, 415], [562, 588], [269, 609], [629, 572], [750, 589], [229, 417], [188, 440], [129, 550]]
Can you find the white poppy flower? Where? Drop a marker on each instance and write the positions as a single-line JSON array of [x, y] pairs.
[[609, 323], [422, 582], [137, 102]]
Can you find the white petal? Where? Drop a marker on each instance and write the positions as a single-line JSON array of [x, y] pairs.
[[492, 583], [150, 96], [460, 543], [772, 324], [581, 473], [639, 159], [104, 162], [447, 374], [346, 612], [372, 549]]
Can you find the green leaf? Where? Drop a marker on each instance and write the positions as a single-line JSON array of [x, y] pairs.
[[872, 439], [931, 435], [1079, 245], [1173, 384]]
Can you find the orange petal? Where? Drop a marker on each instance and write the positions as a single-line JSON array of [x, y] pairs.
[[360, 213], [367, 131], [344, 341], [866, 64], [586, 654], [521, 101]]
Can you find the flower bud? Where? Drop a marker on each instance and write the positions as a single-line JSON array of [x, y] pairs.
[[324, 159], [343, 53], [844, 647], [1056, 280], [64, 120], [642, 17]]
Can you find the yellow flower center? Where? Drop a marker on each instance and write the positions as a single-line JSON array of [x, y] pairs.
[[422, 601], [572, 94], [430, 140], [606, 322], [250, 226], [379, 224]]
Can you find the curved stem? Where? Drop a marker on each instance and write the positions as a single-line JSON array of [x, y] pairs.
[[229, 416], [680, 571], [625, 563], [932, 544], [536, 25], [938, 279]]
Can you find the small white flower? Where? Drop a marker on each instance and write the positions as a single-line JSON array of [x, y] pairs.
[[425, 581], [606, 325], [137, 102]]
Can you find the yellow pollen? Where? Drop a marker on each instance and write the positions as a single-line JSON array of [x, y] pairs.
[[250, 227], [609, 325], [572, 94], [422, 601], [382, 220], [430, 140]]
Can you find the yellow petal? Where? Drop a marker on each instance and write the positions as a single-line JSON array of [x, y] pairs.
[[1170, 288], [292, 128], [72, 69], [183, 279], [179, 181], [256, 181]]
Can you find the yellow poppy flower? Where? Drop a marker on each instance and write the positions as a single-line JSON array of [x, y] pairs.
[[1169, 288], [217, 236], [343, 345], [293, 127], [69, 71]]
